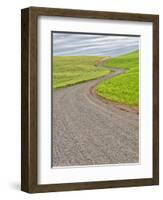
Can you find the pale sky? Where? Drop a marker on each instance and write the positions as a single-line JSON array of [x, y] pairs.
[[70, 44]]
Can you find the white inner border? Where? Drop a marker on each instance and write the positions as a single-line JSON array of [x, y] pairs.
[[49, 175]]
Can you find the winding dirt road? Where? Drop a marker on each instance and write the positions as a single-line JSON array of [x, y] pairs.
[[88, 131]]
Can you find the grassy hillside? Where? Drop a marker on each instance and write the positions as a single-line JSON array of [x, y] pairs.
[[69, 70], [123, 88]]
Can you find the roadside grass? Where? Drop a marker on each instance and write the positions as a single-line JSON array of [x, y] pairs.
[[123, 88], [70, 70]]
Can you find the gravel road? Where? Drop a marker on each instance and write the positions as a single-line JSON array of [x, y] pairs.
[[88, 131]]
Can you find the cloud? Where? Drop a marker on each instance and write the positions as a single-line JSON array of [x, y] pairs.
[[69, 44]]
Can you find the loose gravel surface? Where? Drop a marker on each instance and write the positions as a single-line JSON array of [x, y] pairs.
[[88, 131]]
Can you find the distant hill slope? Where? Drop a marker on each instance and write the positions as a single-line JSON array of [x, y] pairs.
[[70, 70], [124, 88]]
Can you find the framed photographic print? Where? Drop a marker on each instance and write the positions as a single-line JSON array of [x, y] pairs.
[[90, 99]]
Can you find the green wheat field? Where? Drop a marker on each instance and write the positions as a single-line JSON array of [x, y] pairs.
[[124, 88], [70, 70]]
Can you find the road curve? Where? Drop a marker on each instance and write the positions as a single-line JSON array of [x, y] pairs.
[[87, 131]]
